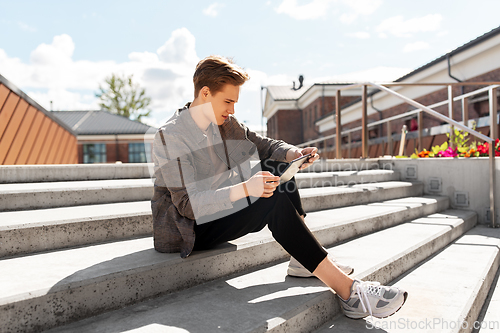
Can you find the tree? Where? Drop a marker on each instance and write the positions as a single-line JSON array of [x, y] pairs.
[[124, 97]]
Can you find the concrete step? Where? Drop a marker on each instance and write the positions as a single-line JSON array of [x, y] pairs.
[[73, 172], [63, 194], [52, 228], [446, 292], [76, 283], [38, 230], [22, 196], [47, 229], [267, 300], [71, 193], [314, 199], [345, 164], [107, 171], [489, 317], [340, 178]]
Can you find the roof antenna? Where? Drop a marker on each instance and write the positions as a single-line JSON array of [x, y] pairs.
[[301, 80]]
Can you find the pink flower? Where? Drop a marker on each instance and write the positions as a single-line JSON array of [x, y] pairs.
[[449, 152]]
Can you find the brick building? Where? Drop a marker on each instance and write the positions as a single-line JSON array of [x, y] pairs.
[[292, 114], [104, 137], [475, 61], [29, 134]]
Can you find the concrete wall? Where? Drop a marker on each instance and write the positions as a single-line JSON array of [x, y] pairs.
[[470, 175]]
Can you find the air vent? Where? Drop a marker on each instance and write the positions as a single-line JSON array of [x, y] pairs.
[[434, 184], [462, 199], [411, 172]]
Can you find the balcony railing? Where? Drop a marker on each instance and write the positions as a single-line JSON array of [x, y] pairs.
[[491, 88]]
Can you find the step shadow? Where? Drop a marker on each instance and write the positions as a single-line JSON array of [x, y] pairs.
[[223, 305]]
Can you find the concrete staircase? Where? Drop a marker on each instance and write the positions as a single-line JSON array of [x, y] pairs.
[[76, 255]]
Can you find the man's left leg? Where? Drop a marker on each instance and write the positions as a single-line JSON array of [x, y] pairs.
[[292, 191]]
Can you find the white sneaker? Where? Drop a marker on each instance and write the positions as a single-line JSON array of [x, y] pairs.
[[296, 269], [371, 299]]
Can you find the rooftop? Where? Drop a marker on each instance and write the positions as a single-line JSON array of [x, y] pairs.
[[286, 93], [33, 103], [100, 123], [459, 49]]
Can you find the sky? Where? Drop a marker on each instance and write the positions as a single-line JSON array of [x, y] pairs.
[[61, 51]]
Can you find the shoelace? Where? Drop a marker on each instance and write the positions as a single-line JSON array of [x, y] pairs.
[[366, 288]]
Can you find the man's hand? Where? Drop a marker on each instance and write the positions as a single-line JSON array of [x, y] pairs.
[[310, 160], [292, 154], [262, 184]]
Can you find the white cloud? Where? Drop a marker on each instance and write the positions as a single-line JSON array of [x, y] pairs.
[[363, 7], [64, 100], [248, 107], [167, 75], [26, 27], [359, 35], [348, 18], [410, 47], [213, 9], [376, 74], [60, 51], [314, 9], [397, 26], [320, 8], [359, 7], [180, 48], [52, 74]]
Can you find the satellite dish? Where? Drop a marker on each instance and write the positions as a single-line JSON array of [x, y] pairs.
[[301, 81]]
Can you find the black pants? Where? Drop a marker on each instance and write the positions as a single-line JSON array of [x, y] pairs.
[[280, 212]]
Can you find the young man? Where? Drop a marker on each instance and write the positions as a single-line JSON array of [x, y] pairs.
[[205, 192]]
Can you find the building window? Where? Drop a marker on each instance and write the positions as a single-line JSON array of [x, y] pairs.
[[94, 153], [139, 152]]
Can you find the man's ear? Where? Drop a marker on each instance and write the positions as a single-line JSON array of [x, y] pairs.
[[205, 92]]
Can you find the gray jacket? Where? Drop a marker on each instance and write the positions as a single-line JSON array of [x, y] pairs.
[[183, 174]]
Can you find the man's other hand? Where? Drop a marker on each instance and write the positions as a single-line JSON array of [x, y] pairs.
[[314, 156]]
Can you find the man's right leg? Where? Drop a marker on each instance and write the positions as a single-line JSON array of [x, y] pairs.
[[279, 213], [299, 242]]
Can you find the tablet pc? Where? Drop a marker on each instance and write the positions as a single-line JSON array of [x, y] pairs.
[[292, 168]]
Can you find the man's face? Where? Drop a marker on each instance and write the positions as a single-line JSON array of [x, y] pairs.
[[223, 103]]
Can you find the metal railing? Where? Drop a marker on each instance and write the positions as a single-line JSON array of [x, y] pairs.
[[491, 88]]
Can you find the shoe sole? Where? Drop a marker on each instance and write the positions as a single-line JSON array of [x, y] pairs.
[[382, 316]]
